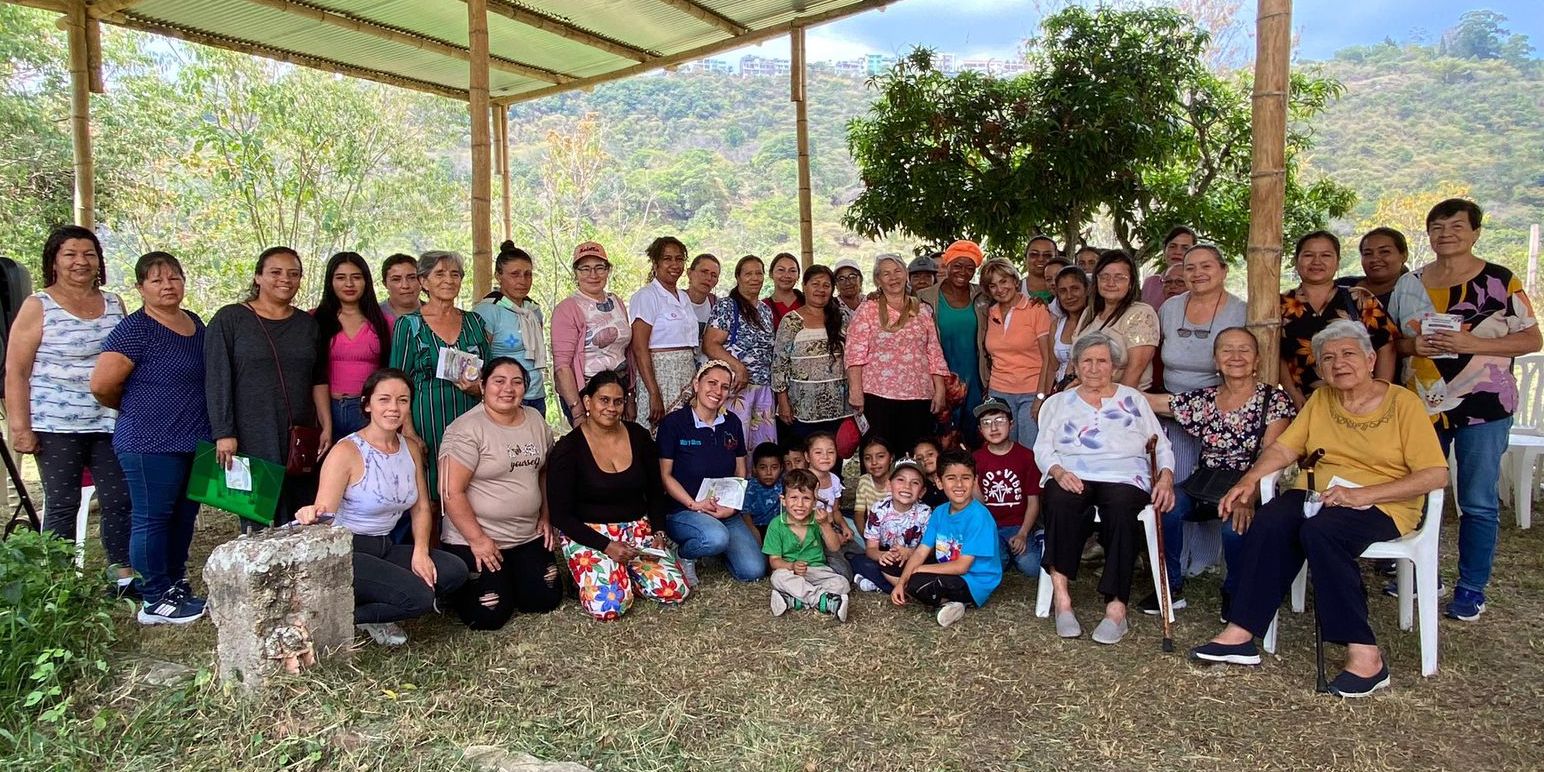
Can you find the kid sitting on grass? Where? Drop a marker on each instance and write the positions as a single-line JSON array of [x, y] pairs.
[[764, 487], [1010, 487], [957, 563], [874, 483], [794, 458], [820, 448], [892, 529], [796, 545]]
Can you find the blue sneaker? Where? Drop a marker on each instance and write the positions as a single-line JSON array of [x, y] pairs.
[[173, 608], [1467, 605], [1392, 588], [188, 596]]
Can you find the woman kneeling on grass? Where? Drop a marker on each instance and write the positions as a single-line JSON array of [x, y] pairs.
[[956, 564], [368, 480], [606, 496]]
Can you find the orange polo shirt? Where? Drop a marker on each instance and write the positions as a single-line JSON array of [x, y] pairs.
[[1013, 340]]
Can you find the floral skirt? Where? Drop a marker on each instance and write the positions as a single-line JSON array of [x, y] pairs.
[[607, 588], [756, 409]]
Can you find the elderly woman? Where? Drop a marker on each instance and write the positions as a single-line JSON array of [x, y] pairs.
[[1072, 287], [607, 497], [740, 333], [959, 309], [665, 332], [1316, 302], [1233, 421], [895, 365], [493, 471], [1176, 243], [1116, 310], [808, 376], [1381, 456], [1018, 346], [514, 321], [1093, 447], [416, 341], [590, 332]]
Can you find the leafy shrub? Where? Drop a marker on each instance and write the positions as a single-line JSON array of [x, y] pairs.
[[55, 627]]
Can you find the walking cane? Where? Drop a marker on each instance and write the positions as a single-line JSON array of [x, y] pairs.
[[1165, 602], [1322, 685]]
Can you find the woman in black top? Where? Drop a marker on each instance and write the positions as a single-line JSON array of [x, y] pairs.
[[605, 494]]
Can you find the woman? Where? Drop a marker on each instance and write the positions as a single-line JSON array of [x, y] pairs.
[[53, 345], [514, 321], [1176, 243], [701, 280], [607, 498], [1018, 344], [1315, 303], [740, 333], [1188, 320], [1232, 420], [493, 463], [254, 351], [1094, 450], [1087, 258], [367, 482], [665, 332], [1115, 310], [1072, 285], [353, 335], [1381, 456], [1384, 254], [959, 308], [895, 365], [399, 275], [1038, 253], [590, 332], [416, 342], [808, 375], [700, 441], [785, 297], [152, 372]]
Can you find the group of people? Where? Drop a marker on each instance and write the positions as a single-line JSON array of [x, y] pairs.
[[1006, 415]]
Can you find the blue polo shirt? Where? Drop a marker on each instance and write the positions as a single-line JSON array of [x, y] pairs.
[[700, 450]]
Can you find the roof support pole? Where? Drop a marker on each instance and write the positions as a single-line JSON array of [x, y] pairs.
[[796, 76], [80, 113], [1268, 178], [501, 165], [482, 216]]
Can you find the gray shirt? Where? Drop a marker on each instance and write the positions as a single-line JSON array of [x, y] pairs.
[[241, 381], [1187, 359]]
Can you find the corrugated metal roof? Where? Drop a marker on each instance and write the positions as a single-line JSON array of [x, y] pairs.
[[539, 47]]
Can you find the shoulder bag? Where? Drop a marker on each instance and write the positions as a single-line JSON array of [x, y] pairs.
[[304, 442], [1207, 485]]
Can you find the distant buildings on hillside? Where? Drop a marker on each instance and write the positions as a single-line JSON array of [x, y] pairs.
[[751, 66]]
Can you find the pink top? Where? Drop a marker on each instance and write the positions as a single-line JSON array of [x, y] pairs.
[[589, 337], [350, 361], [1152, 290], [899, 364]]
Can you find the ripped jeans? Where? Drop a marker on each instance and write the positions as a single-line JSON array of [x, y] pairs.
[[527, 582]]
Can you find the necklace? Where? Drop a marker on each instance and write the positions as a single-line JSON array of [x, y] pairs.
[[1185, 332]]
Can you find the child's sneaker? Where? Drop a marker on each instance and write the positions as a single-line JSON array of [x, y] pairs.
[[837, 604], [689, 572], [173, 608], [1467, 605], [952, 612], [779, 603], [865, 585], [384, 633]]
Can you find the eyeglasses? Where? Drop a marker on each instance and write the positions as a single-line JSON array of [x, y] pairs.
[[593, 269], [849, 277], [1113, 278], [1185, 332], [994, 421]]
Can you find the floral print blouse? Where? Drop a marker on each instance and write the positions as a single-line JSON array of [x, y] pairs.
[[1300, 322], [1230, 440], [751, 344], [895, 529], [897, 364], [802, 366], [1107, 443]]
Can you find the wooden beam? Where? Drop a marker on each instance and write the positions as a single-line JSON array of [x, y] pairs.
[[563, 29], [405, 37], [703, 13], [56, 6], [131, 20], [101, 8], [501, 166], [94, 56], [80, 116], [699, 52], [802, 137], [482, 238], [1268, 178]]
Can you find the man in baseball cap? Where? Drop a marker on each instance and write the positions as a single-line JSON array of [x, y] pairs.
[[923, 272]]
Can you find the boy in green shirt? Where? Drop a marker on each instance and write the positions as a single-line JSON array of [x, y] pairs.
[[796, 549]]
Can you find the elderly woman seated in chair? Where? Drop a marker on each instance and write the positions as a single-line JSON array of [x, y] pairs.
[[1380, 457]]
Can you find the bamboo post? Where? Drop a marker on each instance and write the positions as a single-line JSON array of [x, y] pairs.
[[1533, 259], [482, 216], [501, 166], [1268, 178], [80, 114], [802, 133], [94, 56]]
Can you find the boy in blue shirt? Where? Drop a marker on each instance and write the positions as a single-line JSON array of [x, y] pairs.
[[957, 563], [765, 486]]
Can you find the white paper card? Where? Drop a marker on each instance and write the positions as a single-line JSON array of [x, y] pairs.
[[863, 424], [458, 365], [238, 477], [1433, 323], [729, 491]]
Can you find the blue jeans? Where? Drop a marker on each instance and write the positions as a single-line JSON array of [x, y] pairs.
[[540, 403], [1174, 544], [348, 416], [1478, 457], [1027, 563], [161, 526], [702, 535], [1024, 427]]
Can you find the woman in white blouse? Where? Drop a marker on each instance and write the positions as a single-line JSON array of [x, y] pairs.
[[1093, 448], [665, 332]]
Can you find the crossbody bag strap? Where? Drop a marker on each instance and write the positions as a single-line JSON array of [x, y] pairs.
[[289, 415]]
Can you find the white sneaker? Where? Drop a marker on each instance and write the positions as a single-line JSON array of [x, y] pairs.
[[841, 607], [779, 603], [952, 612], [689, 572], [384, 633], [865, 585]]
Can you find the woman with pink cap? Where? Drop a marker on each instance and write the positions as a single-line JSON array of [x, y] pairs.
[[895, 364], [590, 332]]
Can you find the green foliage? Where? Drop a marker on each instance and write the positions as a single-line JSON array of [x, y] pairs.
[[55, 628], [1482, 34], [36, 178]]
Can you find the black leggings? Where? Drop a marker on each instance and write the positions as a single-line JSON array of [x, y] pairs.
[[1069, 521], [385, 587], [937, 589], [526, 582], [900, 421], [61, 459]]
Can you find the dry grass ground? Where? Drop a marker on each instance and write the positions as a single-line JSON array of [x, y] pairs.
[[718, 684]]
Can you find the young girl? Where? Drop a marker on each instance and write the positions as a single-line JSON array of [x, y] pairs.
[[957, 564], [893, 529], [926, 454], [875, 482], [820, 449]]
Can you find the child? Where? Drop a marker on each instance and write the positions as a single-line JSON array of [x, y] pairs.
[[958, 563], [1009, 487], [872, 485], [765, 487], [794, 458], [926, 453], [820, 449], [796, 547], [892, 529]]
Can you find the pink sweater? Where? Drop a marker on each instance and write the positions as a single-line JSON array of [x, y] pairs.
[[572, 320]]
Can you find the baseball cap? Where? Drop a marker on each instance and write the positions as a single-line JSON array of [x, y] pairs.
[[962, 249], [846, 262], [924, 264], [907, 462], [992, 405], [590, 249]]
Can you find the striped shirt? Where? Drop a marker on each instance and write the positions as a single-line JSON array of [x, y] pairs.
[[61, 374]]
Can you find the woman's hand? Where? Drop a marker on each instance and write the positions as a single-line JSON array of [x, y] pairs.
[[472, 386], [741, 375], [784, 408], [1034, 410], [485, 554], [423, 566], [656, 409], [855, 399], [1338, 496], [324, 441], [224, 451], [1068, 481], [940, 400], [26, 441], [1241, 517], [1163, 496], [309, 514], [621, 553], [1426, 346], [1240, 496], [549, 535], [722, 512], [659, 542]]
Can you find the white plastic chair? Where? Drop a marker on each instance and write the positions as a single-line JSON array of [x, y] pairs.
[[1149, 520], [82, 519], [1416, 554], [1526, 443]]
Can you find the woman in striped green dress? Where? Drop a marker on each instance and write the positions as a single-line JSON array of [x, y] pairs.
[[416, 341]]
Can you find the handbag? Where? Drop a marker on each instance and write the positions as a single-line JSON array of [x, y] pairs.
[[1207, 484], [303, 444]]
